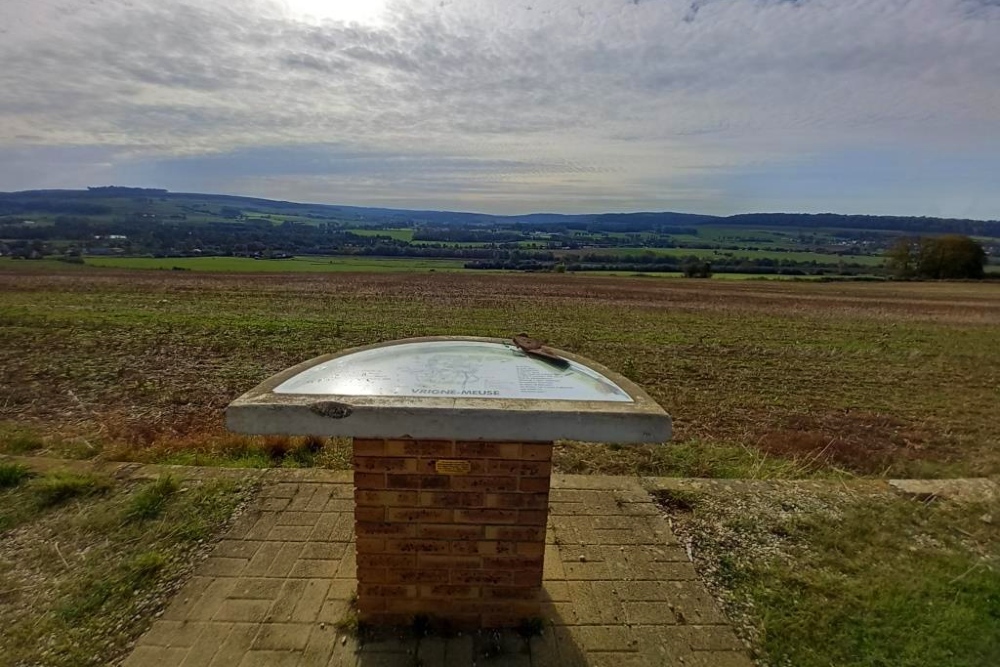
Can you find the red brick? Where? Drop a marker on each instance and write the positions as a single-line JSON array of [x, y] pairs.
[[511, 562], [451, 499], [488, 484], [510, 593], [386, 560], [421, 448], [528, 577], [368, 447], [518, 533], [497, 578], [435, 482], [534, 484], [518, 500], [369, 514], [446, 532], [532, 517], [446, 562], [416, 546], [384, 591], [368, 605], [369, 480], [488, 450], [366, 529], [370, 545], [386, 498], [530, 548], [519, 468], [471, 547], [449, 591], [416, 576], [373, 575], [536, 452], [427, 515], [486, 516], [406, 606], [393, 481], [384, 464]]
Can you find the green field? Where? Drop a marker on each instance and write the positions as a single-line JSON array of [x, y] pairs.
[[708, 254], [763, 378], [398, 234], [311, 264]]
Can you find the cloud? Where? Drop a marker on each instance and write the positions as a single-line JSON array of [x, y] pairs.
[[578, 104]]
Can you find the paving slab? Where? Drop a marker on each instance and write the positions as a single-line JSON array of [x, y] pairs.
[[617, 590]]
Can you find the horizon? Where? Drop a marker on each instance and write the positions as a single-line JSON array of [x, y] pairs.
[[498, 215], [714, 106]]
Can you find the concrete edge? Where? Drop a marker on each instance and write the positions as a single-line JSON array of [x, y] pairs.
[[961, 489]]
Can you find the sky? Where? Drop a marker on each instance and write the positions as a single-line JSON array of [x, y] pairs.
[[513, 106]]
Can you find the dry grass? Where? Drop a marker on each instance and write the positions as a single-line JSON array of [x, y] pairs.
[[762, 378]]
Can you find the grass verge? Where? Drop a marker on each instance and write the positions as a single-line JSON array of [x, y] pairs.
[[86, 560], [820, 579]]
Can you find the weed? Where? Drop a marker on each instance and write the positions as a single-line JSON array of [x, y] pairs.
[[12, 474], [349, 623], [277, 446], [149, 501], [60, 487]]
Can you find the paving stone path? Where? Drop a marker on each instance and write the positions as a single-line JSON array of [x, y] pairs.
[[619, 590]]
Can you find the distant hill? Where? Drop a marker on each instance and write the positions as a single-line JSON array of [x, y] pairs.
[[113, 201]]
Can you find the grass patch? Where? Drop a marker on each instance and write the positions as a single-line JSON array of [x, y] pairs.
[[683, 459], [12, 474], [149, 501], [229, 451], [91, 595], [80, 583], [848, 580], [61, 487], [23, 443]]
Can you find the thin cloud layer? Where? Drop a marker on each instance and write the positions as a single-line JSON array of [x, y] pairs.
[[512, 106]]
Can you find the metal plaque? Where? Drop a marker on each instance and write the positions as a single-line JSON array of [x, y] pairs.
[[452, 467]]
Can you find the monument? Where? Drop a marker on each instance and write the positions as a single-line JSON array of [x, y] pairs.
[[452, 462]]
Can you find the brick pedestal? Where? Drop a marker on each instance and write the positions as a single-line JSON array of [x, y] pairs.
[[451, 531]]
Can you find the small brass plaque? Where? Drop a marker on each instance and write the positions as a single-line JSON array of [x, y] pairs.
[[453, 467]]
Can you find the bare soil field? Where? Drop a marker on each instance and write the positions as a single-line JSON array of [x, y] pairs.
[[762, 378]]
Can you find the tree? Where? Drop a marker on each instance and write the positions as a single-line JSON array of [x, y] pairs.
[[697, 270], [946, 257], [901, 257]]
